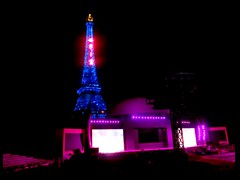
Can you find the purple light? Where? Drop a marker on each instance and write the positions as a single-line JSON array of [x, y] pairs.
[[185, 122], [105, 121], [148, 117], [201, 132]]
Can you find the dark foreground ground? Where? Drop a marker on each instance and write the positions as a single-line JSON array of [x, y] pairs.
[[133, 165]]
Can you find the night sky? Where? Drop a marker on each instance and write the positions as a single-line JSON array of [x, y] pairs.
[[136, 44]]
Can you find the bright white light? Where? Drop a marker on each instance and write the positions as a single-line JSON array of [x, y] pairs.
[[90, 40], [108, 140], [91, 62], [90, 46], [189, 137]]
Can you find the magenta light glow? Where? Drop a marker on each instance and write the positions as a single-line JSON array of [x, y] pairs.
[[201, 133], [90, 47], [91, 62], [186, 122], [108, 140], [148, 117], [105, 121]]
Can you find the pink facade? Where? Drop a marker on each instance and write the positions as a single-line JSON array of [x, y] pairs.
[[134, 125], [144, 128]]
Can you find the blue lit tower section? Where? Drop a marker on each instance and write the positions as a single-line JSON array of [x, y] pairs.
[[90, 98]]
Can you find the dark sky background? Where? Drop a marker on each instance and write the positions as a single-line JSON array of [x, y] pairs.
[[136, 44]]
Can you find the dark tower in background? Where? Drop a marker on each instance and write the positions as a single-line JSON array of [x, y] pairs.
[[90, 100], [179, 93], [181, 89]]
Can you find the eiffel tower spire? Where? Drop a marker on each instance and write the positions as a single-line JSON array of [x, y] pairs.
[[90, 98]]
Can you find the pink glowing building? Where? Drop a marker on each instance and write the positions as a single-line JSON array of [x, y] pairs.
[[144, 128], [134, 125]]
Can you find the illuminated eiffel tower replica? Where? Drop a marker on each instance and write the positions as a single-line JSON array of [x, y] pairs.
[[90, 100]]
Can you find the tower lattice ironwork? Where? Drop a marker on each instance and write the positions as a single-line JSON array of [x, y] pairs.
[[90, 98]]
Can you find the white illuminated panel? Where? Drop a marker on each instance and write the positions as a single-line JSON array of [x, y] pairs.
[[108, 140], [189, 137]]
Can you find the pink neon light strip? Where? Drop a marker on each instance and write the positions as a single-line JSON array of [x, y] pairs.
[[148, 117], [105, 122]]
